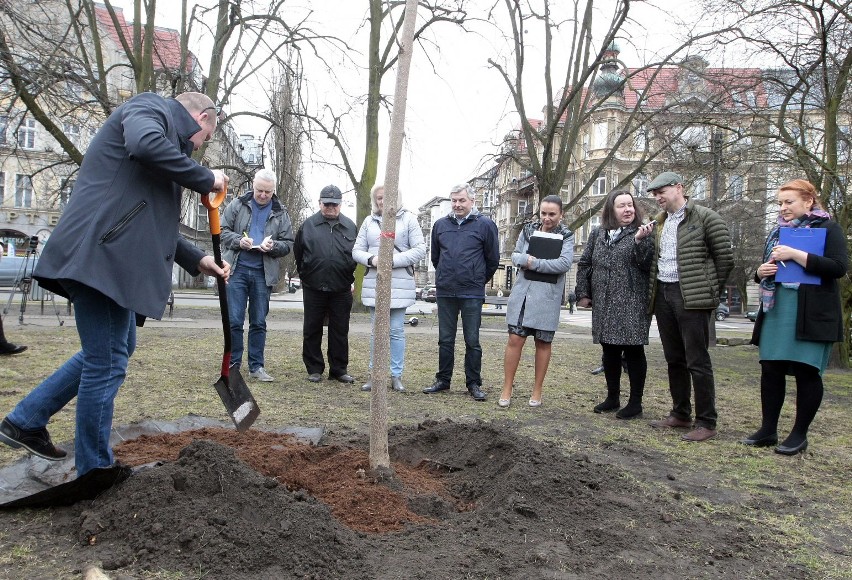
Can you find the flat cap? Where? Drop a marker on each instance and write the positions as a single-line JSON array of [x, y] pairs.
[[664, 179]]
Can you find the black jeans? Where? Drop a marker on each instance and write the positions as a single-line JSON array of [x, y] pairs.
[[449, 310], [338, 306], [685, 335]]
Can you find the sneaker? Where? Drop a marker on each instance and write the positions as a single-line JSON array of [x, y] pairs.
[[36, 441], [260, 374]]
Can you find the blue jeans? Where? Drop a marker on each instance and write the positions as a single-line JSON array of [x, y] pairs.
[[247, 286], [93, 375], [397, 340], [471, 316], [685, 335]]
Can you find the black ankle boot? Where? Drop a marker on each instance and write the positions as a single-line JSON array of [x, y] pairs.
[[609, 405], [632, 410]]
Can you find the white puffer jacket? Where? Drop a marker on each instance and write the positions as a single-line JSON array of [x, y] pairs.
[[410, 249]]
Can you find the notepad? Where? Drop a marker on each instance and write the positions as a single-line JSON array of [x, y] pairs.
[[544, 246], [810, 240]]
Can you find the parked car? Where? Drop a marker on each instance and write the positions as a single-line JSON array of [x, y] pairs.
[[722, 311], [751, 315], [430, 295], [12, 268]]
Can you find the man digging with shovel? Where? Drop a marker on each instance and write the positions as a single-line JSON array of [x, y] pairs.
[[111, 254]]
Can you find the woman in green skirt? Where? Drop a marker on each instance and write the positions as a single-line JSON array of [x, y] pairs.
[[797, 322]]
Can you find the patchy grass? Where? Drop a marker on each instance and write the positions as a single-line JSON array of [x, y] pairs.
[[804, 503]]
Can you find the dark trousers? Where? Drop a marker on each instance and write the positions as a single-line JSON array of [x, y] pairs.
[[637, 367], [338, 306], [773, 386], [449, 310], [685, 335]]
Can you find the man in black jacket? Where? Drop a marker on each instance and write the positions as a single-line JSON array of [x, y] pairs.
[[323, 252]]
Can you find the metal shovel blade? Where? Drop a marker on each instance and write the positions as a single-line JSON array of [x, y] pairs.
[[238, 400]]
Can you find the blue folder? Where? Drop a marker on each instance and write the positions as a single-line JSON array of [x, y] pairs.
[[810, 240]]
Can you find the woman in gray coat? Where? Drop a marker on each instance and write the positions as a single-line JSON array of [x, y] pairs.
[[409, 249], [535, 304], [612, 278]]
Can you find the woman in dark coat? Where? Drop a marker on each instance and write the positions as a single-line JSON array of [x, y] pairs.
[[797, 323], [612, 278]]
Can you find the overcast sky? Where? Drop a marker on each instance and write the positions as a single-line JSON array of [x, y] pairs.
[[458, 107]]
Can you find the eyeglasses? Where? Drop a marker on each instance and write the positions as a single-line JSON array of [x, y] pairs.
[[330, 204]]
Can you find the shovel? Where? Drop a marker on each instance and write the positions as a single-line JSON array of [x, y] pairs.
[[231, 387]]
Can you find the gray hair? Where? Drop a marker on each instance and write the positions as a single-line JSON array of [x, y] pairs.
[[265, 175], [467, 188], [376, 188]]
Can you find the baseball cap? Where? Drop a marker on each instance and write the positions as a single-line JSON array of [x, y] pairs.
[[331, 194], [664, 179]]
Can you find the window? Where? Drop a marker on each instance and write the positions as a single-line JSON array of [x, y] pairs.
[[585, 146], [27, 134], [736, 187], [2, 186], [599, 187], [601, 135], [522, 207], [4, 124], [699, 188], [640, 185], [594, 222], [23, 191], [72, 131]]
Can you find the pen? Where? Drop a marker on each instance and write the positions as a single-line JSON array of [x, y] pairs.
[[245, 235], [782, 263]]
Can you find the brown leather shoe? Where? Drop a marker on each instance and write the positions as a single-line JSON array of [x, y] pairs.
[[699, 434], [671, 422]]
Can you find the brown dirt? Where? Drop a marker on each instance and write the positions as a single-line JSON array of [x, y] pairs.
[[468, 501]]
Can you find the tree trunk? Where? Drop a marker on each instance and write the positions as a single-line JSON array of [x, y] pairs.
[[379, 457]]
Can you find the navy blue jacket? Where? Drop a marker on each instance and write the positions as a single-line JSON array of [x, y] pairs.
[[465, 255], [119, 232]]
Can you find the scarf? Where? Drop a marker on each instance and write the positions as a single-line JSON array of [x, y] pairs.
[[767, 285]]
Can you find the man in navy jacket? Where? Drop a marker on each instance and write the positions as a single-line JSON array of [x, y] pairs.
[[465, 253], [111, 254]]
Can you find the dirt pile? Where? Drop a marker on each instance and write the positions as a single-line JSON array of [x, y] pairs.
[[471, 500]]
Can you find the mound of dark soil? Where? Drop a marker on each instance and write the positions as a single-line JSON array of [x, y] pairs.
[[469, 501]]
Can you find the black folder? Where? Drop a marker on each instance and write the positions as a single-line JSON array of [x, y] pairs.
[[544, 247]]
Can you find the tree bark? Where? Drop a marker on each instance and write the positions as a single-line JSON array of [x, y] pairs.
[[379, 457]]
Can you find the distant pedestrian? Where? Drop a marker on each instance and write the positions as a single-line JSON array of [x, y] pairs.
[[6, 347], [499, 295], [323, 252], [572, 299]]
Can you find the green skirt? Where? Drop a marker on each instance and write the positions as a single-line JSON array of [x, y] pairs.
[[778, 336]]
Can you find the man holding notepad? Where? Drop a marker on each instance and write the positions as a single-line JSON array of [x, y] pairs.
[[256, 232]]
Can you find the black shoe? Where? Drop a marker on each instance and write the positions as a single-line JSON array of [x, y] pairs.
[[10, 348], [758, 440], [476, 392], [436, 387], [36, 441], [597, 371], [607, 406], [344, 378], [792, 449], [630, 411], [315, 377]]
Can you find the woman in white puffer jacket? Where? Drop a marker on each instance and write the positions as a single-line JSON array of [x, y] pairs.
[[409, 249]]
